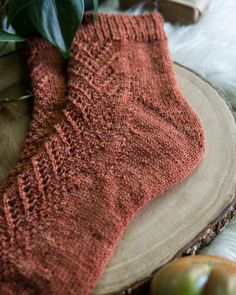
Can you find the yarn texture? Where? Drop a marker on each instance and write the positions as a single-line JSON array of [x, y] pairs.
[[106, 138]]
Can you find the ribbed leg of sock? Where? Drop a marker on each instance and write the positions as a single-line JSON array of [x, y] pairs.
[[125, 136], [48, 78]]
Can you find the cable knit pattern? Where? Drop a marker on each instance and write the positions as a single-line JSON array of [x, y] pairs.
[[123, 135]]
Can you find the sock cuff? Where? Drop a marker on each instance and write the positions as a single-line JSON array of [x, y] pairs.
[[142, 27]]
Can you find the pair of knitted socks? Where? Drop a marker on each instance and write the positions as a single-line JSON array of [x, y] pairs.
[[103, 143]]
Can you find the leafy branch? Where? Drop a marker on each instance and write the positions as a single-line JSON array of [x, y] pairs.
[[56, 20]]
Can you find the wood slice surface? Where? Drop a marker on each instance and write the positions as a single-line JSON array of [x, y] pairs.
[[189, 215]]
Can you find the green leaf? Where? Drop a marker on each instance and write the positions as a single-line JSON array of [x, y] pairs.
[[7, 37], [23, 25], [57, 21], [16, 6], [95, 8]]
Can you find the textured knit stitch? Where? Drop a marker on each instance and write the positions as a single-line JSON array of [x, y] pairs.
[[48, 86], [124, 135]]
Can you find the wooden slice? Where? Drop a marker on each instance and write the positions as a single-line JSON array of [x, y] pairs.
[[188, 216], [185, 218]]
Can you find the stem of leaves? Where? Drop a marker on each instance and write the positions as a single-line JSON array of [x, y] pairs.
[[8, 100], [95, 9]]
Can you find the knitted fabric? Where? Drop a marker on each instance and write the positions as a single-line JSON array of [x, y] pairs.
[[123, 134], [48, 78]]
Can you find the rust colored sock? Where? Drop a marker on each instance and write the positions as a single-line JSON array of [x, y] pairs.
[[125, 135]]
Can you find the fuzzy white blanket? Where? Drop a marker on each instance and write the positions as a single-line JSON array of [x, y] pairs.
[[209, 48]]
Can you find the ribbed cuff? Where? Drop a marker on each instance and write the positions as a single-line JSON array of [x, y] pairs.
[[142, 27]]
